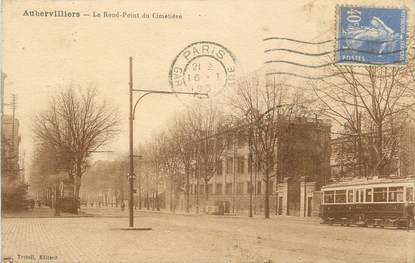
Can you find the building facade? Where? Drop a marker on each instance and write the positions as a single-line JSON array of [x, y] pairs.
[[12, 180], [302, 165]]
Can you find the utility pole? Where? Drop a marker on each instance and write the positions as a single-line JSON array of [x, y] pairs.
[[139, 185], [15, 168], [131, 175], [251, 166], [197, 170], [3, 77], [234, 173]]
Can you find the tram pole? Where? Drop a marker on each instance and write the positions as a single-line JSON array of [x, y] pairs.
[[131, 176]]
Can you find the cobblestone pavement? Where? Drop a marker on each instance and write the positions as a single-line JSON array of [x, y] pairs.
[[178, 238]]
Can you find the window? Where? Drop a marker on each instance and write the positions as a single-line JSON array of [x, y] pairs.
[[219, 143], [210, 188], [248, 187], [241, 165], [218, 189], [249, 163], [368, 195], [219, 168], [229, 141], [340, 196], [258, 188], [409, 194], [228, 189], [229, 165], [241, 138], [350, 196], [379, 194], [240, 188], [395, 194], [271, 187], [360, 194], [329, 197]]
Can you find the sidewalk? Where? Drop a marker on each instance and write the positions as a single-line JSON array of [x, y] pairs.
[[244, 214], [43, 212], [116, 212]]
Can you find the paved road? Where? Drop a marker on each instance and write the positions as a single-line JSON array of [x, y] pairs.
[[180, 238]]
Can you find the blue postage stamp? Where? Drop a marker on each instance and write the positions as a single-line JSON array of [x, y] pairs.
[[373, 36]]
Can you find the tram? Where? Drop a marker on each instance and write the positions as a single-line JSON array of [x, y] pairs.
[[373, 202]]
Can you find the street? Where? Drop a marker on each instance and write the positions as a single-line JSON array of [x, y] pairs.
[[198, 238]]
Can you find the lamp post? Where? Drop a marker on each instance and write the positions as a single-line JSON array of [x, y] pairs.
[[145, 92]]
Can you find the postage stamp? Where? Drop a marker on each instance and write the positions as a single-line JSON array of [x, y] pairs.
[[204, 66], [375, 36]]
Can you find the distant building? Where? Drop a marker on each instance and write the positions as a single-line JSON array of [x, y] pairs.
[[302, 167], [399, 148], [12, 180], [10, 142], [406, 153]]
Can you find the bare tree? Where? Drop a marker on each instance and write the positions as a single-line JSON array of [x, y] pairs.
[[261, 104], [205, 122], [183, 145], [371, 103], [170, 166], [76, 124]]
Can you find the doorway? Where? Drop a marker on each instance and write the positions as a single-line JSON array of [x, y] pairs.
[[280, 205], [309, 206]]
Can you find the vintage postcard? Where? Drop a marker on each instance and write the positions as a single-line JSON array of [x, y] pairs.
[[207, 131]]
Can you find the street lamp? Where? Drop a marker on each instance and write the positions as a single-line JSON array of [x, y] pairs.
[[131, 175]]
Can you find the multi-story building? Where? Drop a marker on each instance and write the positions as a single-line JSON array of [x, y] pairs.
[[11, 176], [406, 153], [10, 147], [302, 165]]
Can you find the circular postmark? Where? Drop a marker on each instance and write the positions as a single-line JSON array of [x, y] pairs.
[[204, 67]]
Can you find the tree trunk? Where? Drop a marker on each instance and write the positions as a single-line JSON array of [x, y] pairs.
[[206, 191], [379, 148], [147, 201], [266, 197], [157, 201], [77, 187], [171, 193], [187, 191]]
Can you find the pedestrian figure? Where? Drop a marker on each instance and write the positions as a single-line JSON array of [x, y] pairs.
[[32, 203], [122, 206]]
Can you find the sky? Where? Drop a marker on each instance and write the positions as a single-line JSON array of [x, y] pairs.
[[43, 55]]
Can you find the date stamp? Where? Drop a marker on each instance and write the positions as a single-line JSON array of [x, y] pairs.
[[204, 66], [375, 36]]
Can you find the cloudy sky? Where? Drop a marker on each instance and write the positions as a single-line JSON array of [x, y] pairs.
[[42, 55]]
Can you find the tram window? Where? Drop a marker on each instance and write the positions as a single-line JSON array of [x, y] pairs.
[[409, 194], [380, 194], [340, 196], [359, 195], [395, 194], [329, 197], [350, 196], [368, 195]]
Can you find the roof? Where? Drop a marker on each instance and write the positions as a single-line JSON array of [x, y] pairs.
[[367, 181]]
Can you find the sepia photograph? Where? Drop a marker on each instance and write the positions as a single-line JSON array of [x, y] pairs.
[[207, 131]]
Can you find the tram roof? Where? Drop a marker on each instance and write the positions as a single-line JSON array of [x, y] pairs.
[[367, 181]]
